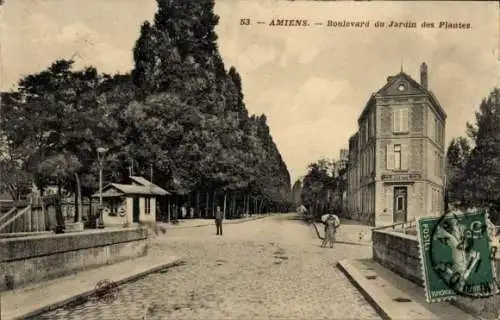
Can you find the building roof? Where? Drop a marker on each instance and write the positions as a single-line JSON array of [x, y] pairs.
[[142, 187], [140, 180], [414, 88]]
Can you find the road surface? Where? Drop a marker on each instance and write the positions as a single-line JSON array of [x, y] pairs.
[[272, 268]]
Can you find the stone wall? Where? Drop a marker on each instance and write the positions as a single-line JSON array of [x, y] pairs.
[[398, 252], [33, 259]]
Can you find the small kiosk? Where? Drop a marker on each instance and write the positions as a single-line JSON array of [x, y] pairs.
[[132, 202]]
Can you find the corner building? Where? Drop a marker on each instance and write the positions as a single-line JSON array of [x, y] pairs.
[[396, 159]]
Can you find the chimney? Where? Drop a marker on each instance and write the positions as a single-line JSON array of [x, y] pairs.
[[423, 75]]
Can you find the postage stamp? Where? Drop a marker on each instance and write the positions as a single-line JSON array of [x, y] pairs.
[[458, 258]]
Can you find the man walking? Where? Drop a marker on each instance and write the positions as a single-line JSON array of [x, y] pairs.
[[219, 216]]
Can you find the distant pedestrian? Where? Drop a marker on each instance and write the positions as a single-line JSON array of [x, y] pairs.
[[219, 216], [332, 222], [191, 213], [183, 212]]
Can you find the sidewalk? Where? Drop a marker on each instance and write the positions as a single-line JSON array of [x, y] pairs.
[[393, 296], [193, 223], [46, 296]]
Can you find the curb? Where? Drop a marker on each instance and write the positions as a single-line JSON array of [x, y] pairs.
[[210, 224], [351, 275], [338, 241], [84, 295]]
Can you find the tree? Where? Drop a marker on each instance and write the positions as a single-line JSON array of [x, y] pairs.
[[483, 165], [318, 186], [61, 168], [190, 106], [457, 156]]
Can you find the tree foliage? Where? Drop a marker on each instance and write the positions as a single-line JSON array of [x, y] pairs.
[[323, 187], [178, 113], [474, 173]]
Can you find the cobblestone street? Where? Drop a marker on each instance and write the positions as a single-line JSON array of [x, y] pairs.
[[271, 268]]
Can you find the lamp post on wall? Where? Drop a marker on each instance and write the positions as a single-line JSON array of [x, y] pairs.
[[100, 158]]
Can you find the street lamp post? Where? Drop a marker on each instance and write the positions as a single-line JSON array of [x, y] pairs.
[[100, 157]]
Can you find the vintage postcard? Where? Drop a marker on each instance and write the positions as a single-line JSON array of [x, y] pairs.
[[249, 159]]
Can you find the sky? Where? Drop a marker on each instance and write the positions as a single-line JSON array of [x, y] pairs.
[[311, 82]]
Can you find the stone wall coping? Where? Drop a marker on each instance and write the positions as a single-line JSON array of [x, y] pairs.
[[41, 245], [396, 234]]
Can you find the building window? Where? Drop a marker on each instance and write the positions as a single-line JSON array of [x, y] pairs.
[[397, 156], [400, 120], [147, 205], [400, 203]]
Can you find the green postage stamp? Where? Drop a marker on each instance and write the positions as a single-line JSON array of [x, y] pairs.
[[458, 258]]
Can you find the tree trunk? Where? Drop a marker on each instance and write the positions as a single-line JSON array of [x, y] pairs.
[[198, 212], [78, 203], [75, 218], [168, 209], [213, 204], [91, 214], [59, 214], [247, 205], [233, 206], [244, 204], [207, 207], [225, 197]]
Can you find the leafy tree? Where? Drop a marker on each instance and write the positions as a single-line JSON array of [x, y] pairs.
[[457, 156], [483, 165], [318, 185], [13, 179], [210, 141]]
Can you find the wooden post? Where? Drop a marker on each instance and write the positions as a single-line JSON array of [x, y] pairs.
[[207, 207]]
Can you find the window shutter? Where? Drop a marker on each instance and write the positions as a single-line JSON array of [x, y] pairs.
[[404, 157], [404, 120], [390, 156], [395, 120]]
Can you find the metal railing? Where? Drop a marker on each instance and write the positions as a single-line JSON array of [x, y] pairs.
[[404, 225], [4, 217], [10, 222]]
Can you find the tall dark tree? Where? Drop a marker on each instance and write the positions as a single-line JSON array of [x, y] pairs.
[[483, 165], [210, 142], [457, 156]]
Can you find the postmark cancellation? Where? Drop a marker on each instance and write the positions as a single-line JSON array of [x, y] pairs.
[[457, 256]]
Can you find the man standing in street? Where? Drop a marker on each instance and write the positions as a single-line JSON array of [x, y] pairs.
[[219, 216]]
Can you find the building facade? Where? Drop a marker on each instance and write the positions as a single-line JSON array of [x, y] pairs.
[[396, 159]]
